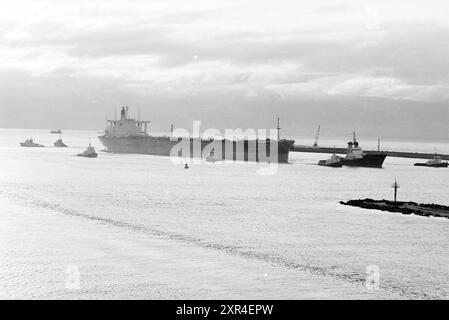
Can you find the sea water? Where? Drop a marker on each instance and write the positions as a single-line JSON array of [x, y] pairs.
[[138, 226]]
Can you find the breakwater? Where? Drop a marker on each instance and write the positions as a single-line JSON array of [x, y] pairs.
[[420, 209], [400, 154]]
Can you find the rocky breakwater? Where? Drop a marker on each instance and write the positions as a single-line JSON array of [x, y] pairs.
[[420, 209]]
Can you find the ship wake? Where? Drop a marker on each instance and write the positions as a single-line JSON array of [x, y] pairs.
[[336, 272]]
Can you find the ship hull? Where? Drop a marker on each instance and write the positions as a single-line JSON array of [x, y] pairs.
[[372, 160], [60, 145], [90, 155], [244, 150], [330, 164], [31, 146], [439, 165]]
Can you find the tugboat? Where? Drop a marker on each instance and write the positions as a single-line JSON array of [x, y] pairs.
[[56, 131], [355, 156], [211, 157], [89, 152], [60, 144], [31, 144], [334, 161], [434, 163]]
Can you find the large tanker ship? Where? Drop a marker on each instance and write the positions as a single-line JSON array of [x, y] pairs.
[[131, 136]]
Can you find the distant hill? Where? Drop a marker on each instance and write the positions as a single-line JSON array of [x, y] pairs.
[[338, 115]]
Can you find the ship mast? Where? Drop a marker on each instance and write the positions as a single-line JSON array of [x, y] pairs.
[[395, 186], [279, 130], [315, 144]]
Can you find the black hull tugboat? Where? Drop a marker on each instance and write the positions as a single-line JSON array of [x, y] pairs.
[[356, 157]]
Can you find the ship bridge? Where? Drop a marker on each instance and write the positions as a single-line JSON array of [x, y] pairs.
[[126, 127]]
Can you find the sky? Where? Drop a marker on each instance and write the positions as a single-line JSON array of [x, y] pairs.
[[378, 67]]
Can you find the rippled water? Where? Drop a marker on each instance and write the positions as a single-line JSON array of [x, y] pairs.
[[138, 226]]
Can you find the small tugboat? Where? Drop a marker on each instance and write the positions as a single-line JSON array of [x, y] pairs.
[[56, 131], [211, 157], [434, 163], [89, 152], [60, 144], [355, 156], [334, 161], [31, 144]]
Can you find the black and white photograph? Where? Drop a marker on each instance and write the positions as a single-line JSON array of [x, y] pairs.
[[211, 150]]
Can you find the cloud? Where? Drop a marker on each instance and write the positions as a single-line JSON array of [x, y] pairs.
[[266, 51]]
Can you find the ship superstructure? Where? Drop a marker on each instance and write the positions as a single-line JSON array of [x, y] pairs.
[[88, 153], [126, 127], [60, 144]]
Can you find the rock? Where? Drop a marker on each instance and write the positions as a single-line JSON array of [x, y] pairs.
[[406, 208]]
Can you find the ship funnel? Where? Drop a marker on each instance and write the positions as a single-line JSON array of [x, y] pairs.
[[350, 144]]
